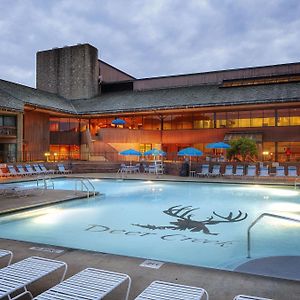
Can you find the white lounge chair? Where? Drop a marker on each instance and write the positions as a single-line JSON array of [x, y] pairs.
[[239, 171], [264, 171], [171, 291], [89, 284], [245, 297], [2, 174], [45, 170], [23, 171], [251, 171], [280, 171], [228, 170], [6, 253], [62, 170], [30, 170], [292, 171], [19, 275], [12, 171], [38, 169], [204, 171], [215, 171]]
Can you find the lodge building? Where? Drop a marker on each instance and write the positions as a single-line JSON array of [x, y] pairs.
[[77, 96]]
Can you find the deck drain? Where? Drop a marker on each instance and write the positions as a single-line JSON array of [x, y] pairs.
[[51, 250], [151, 264]]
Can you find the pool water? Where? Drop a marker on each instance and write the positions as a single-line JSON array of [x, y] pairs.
[[200, 224]]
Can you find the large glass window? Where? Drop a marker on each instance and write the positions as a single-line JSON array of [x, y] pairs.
[[244, 119], [9, 121], [203, 120], [257, 118], [283, 117], [221, 120], [294, 116], [232, 119]]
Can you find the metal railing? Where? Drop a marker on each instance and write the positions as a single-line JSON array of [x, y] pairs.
[[85, 183], [259, 218], [46, 183]]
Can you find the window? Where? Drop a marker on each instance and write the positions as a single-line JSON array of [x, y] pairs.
[[145, 147]]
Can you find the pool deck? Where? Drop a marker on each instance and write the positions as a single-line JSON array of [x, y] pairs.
[[221, 285]]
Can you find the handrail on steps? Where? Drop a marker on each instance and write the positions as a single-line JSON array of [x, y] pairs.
[[83, 184], [259, 218]]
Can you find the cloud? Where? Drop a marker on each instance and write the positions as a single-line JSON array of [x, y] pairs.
[[151, 38]]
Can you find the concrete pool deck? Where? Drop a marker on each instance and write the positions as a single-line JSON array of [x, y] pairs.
[[221, 285]]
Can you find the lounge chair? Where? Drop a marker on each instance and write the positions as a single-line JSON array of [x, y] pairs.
[[280, 171], [215, 171], [228, 170], [38, 169], [239, 171], [204, 171], [251, 171], [23, 171], [88, 284], [45, 170], [12, 171], [62, 170], [30, 169], [264, 171], [19, 275], [245, 297], [6, 254], [171, 291], [122, 169], [292, 171], [2, 174]]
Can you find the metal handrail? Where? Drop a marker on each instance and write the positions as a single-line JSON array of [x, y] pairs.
[[83, 184], [295, 183], [260, 217], [45, 182]]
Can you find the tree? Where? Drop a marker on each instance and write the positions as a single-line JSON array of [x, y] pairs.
[[242, 147]]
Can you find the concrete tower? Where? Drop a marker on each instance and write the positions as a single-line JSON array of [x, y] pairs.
[[71, 72]]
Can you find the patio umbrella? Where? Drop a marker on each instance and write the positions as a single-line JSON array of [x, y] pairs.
[[131, 152], [218, 145], [155, 152], [190, 151], [118, 122]]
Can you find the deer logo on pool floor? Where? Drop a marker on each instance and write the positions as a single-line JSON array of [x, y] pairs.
[[185, 221]]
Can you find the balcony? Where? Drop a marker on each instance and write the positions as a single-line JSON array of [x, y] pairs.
[[6, 131]]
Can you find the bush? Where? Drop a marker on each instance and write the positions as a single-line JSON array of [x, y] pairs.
[[244, 148]]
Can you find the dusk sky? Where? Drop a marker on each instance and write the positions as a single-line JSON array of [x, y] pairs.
[[147, 38]]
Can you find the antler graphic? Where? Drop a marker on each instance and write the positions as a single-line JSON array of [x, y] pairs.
[[185, 221]]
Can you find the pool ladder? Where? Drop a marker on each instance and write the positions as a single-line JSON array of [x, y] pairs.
[[87, 185], [46, 183], [296, 183], [259, 218]]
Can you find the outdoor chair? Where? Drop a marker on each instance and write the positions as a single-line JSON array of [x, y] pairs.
[[251, 171], [245, 297], [45, 170], [204, 171], [62, 170], [23, 171], [228, 170], [89, 284], [239, 171], [38, 169], [2, 174], [19, 275], [280, 171], [292, 171], [30, 170], [264, 171], [215, 171], [6, 254], [12, 171], [171, 291], [122, 169]]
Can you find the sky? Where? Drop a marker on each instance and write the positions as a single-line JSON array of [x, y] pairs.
[[148, 38]]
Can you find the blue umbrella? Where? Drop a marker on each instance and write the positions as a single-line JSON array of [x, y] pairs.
[[131, 152], [118, 122], [219, 145], [190, 151], [155, 152]]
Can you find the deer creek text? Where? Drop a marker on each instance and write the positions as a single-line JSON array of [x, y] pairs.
[[97, 228]]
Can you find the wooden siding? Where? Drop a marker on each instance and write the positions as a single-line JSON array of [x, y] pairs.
[[65, 138], [36, 135]]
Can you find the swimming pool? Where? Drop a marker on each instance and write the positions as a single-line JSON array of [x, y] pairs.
[[200, 224]]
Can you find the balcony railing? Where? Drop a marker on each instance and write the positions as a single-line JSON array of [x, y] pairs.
[[8, 131]]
